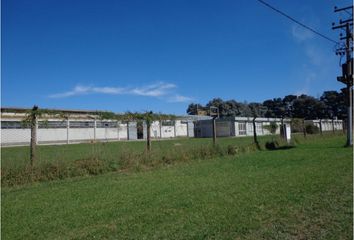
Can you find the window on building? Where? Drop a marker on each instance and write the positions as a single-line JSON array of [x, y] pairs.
[[14, 125], [167, 123], [82, 124], [258, 127], [242, 128], [52, 124], [106, 124]]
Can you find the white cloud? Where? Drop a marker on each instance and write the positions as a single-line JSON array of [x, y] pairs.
[[301, 34], [317, 61], [154, 90], [180, 98], [108, 90], [311, 77], [158, 90], [82, 90]]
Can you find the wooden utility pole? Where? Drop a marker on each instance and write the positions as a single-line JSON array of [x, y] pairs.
[[33, 144], [347, 68]]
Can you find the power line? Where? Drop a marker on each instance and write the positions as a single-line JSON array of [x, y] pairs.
[[296, 21]]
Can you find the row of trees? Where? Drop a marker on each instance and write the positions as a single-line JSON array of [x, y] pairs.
[[331, 104]]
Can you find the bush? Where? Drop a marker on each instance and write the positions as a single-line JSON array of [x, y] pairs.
[[232, 150], [312, 129], [296, 125], [272, 127], [273, 145]]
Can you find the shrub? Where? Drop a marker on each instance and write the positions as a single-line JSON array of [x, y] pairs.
[[272, 127], [272, 145], [232, 150], [312, 129]]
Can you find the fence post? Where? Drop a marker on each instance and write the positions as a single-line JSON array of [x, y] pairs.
[[214, 130], [128, 137], [321, 126], [174, 127], [34, 127], [304, 127], [255, 133], [160, 125], [148, 136]]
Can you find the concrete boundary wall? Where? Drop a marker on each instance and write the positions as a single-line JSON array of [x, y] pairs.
[[64, 133], [327, 124], [58, 131]]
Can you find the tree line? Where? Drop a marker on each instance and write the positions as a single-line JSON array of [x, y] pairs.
[[331, 104]]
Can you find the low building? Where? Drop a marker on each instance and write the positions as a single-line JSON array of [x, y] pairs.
[[75, 126], [326, 124], [237, 126]]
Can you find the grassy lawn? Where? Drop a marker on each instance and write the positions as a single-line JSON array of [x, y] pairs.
[[301, 193]]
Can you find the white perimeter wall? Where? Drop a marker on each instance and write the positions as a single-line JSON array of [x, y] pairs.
[[327, 124], [260, 126], [167, 131], [51, 135], [155, 129], [15, 136], [60, 135], [181, 129]]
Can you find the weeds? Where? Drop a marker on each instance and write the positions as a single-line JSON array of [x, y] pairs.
[[98, 162]]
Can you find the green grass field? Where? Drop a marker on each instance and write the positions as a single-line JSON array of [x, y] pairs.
[[304, 192]]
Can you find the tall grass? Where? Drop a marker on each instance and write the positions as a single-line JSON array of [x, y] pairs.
[[59, 162]]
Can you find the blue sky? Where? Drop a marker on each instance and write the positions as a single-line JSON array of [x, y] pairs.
[[135, 55]]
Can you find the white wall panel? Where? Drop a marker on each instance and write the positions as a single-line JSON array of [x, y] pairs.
[[122, 131], [51, 134], [76, 134], [181, 129], [15, 136], [106, 133], [167, 131], [155, 129]]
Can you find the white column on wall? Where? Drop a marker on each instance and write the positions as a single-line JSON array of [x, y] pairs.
[[174, 127], [94, 129], [118, 123], [67, 131], [37, 130]]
